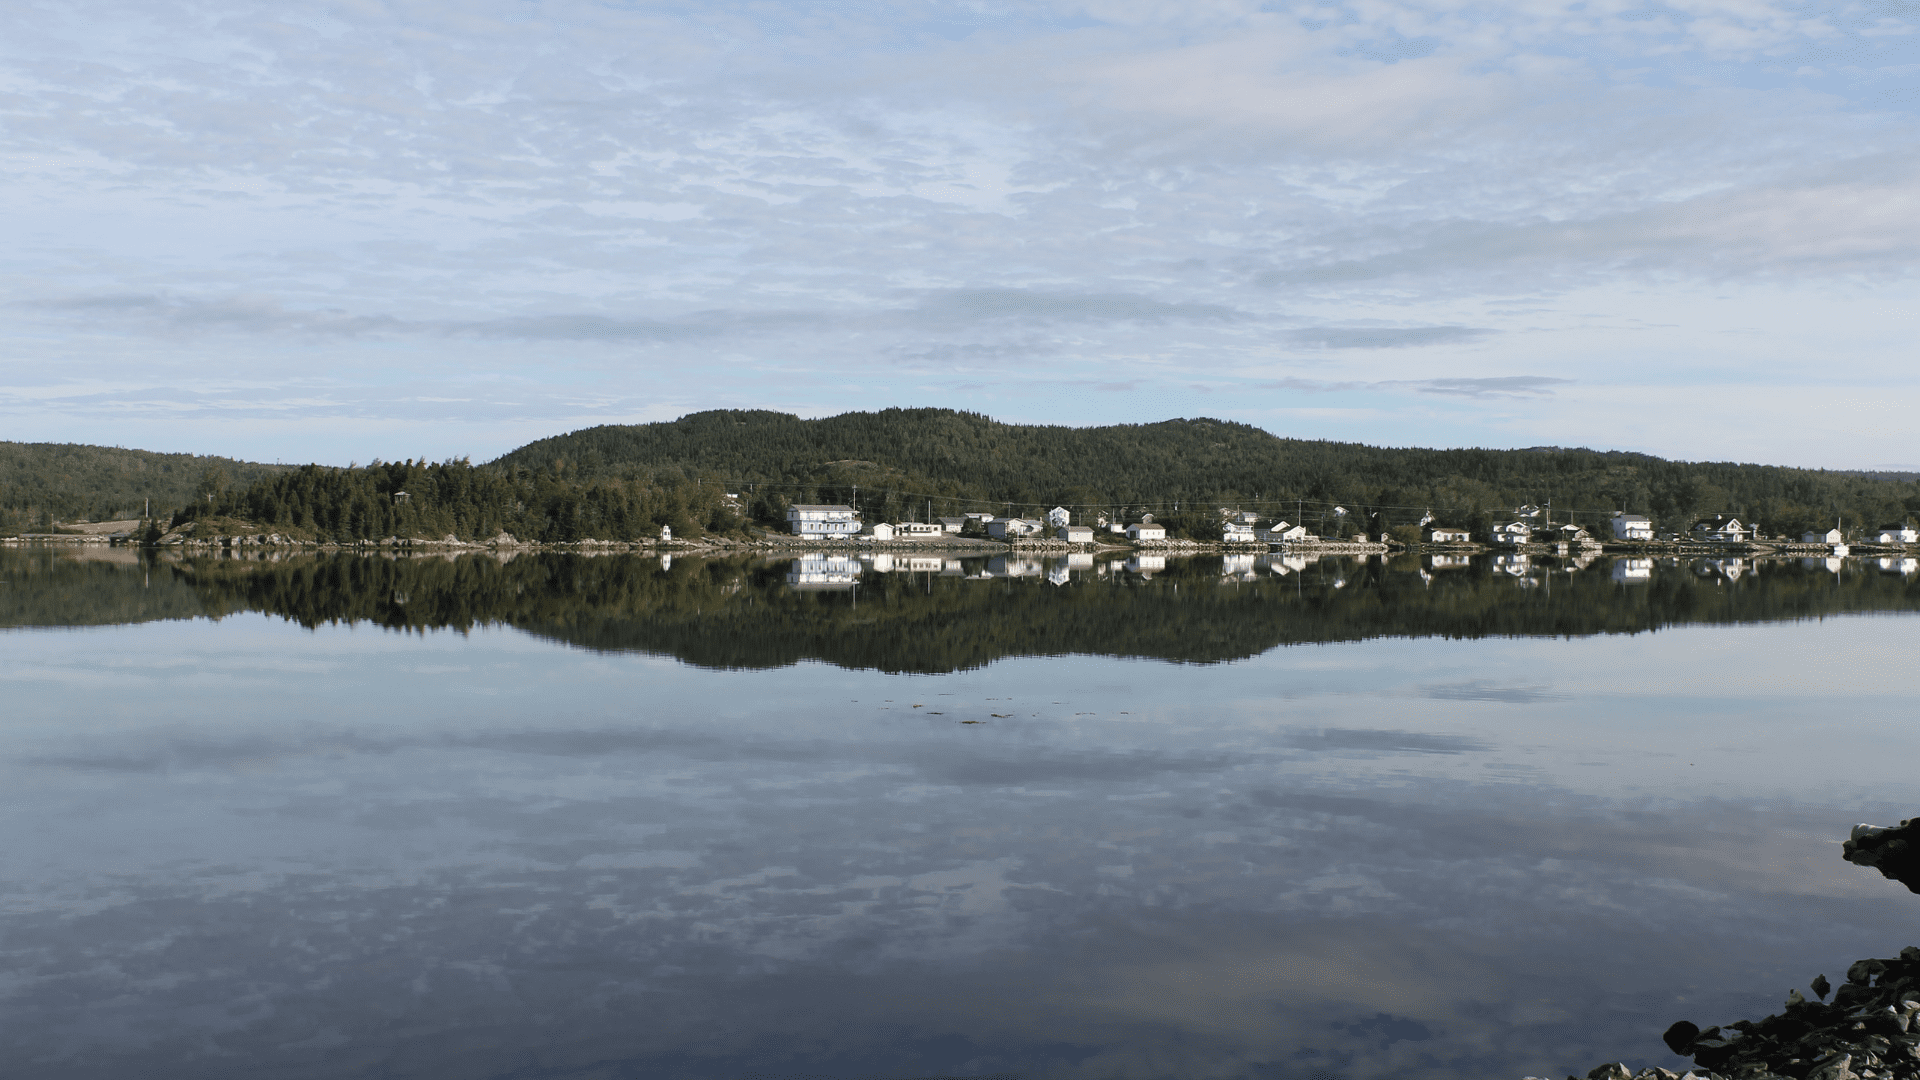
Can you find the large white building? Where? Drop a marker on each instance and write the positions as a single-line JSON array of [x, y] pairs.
[[1893, 534], [1236, 532], [819, 520], [1632, 527]]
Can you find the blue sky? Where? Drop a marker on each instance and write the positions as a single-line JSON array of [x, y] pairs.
[[335, 231]]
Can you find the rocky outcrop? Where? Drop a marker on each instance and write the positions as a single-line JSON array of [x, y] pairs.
[[1869, 1031], [1895, 852]]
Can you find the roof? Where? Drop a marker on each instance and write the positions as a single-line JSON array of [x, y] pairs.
[[952, 521], [1633, 517], [819, 506], [1896, 527]]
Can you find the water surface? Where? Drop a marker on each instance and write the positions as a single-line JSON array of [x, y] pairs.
[[570, 817]]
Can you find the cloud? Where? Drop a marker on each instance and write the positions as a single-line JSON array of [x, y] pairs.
[[1037, 306], [1341, 337], [1500, 386]]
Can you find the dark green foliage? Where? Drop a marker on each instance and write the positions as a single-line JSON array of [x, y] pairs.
[[900, 459], [412, 499], [738, 613], [41, 483]]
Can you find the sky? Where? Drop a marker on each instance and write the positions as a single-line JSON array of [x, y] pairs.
[[336, 231]]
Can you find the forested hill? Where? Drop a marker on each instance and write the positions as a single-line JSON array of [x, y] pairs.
[[45, 482], [902, 460]]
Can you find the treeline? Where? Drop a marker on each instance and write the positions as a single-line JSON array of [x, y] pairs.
[[44, 483], [418, 499], [737, 613], [903, 464]]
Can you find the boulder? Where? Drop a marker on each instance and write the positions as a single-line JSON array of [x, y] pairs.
[[1895, 851]]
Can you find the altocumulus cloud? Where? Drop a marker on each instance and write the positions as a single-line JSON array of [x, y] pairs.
[[864, 201]]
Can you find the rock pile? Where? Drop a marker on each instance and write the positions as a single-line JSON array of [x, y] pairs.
[[1894, 852], [1869, 1030]]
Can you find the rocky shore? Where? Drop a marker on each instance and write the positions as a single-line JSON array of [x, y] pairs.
[[1869, 1030]]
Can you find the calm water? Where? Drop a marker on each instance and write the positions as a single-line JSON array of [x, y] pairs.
[[599, 818]]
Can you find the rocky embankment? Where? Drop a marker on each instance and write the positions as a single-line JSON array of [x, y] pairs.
[[1869, 1030]]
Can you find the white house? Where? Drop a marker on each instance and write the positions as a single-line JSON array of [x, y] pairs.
[[1059, 516], [952, 525], [1014, 528], [1724, 528], [1831, 536], [1147, 564], [1281, 533], [1905, 567], [918, 530], [1632, 527], [1236, 532], [819, 520], [879, 531], [1075, 534], [1513, 532], [1573, 534], [1446, 534], [1894, 534], [1146, 530]]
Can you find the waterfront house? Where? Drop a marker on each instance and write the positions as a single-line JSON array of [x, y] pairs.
[[1447, 534], [952, 526], [1512, 533], [822, 521], [1014, 528], [1721, 528], [1075, 534], [1059, 516], [1146, 530], [1893, 534], [1831, 536], [1632, 527], [880, 531], [1573, 534], [918, 530], [1281, 532], [1236, 532]]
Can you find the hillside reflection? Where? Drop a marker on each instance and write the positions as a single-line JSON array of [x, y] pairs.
[[936, 613]]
